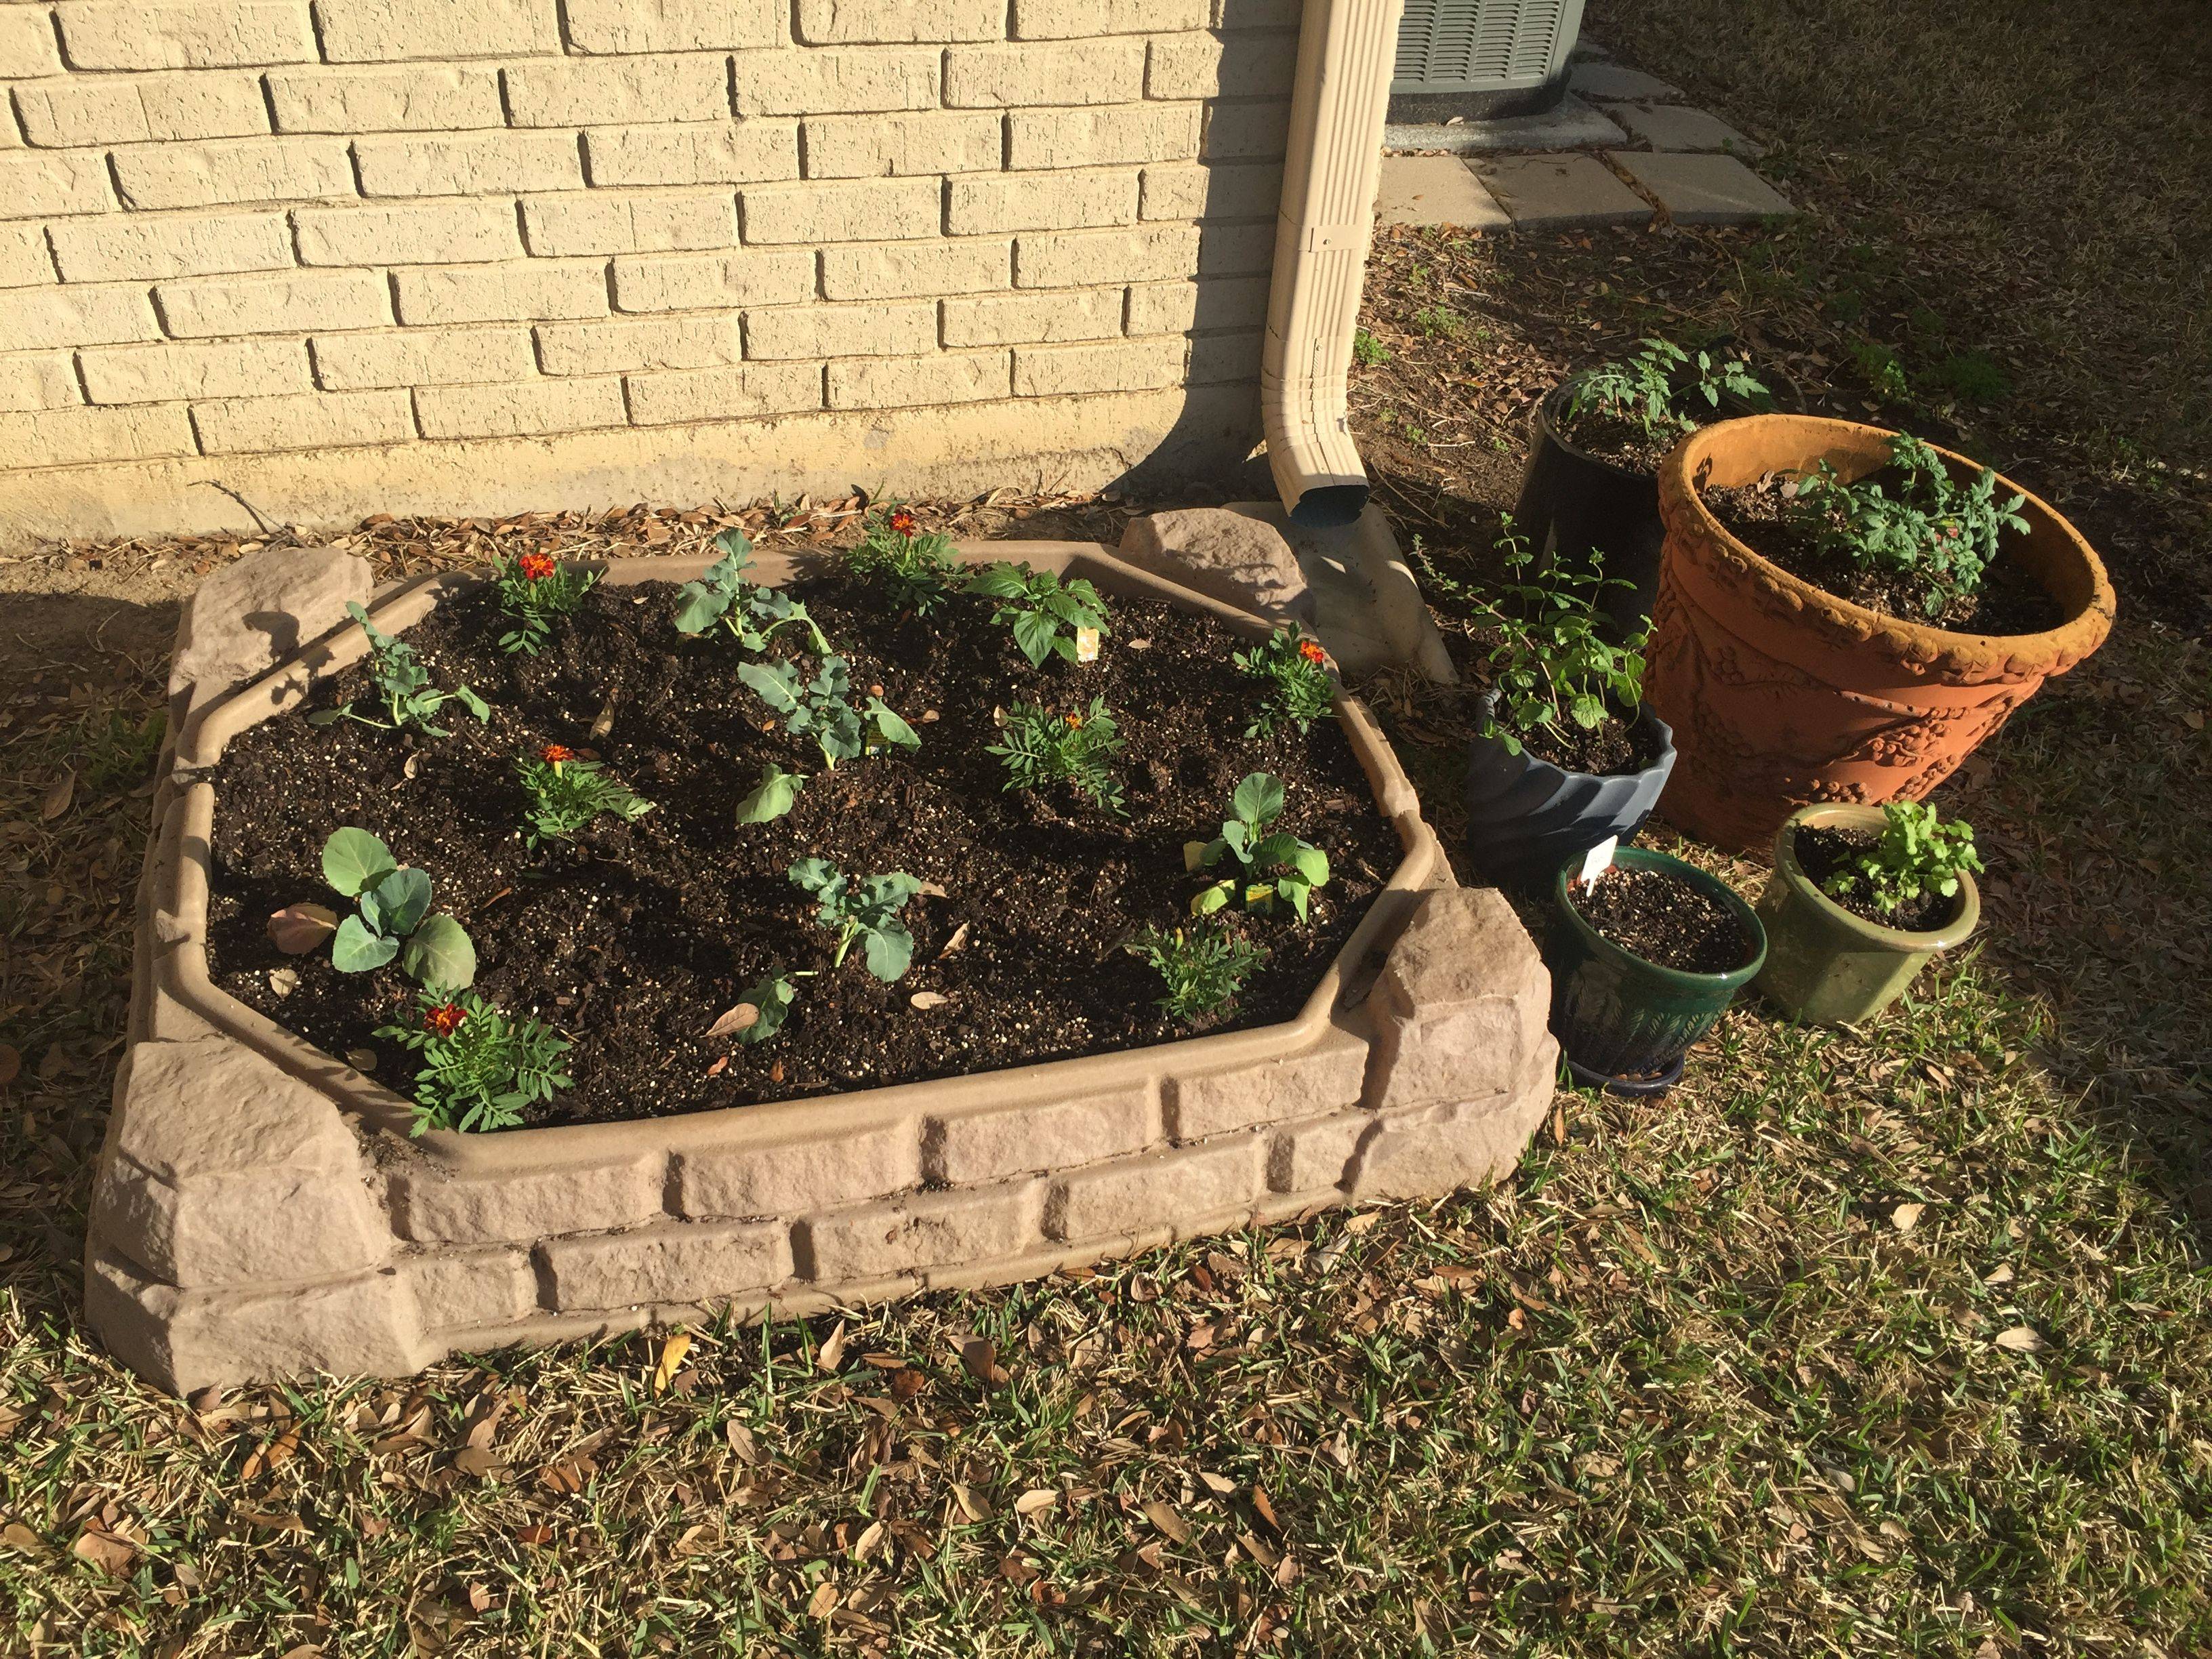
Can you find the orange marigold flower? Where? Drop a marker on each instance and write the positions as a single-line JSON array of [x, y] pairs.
[[536, 567], [444, 1019], [1075, 720], [1311, 651], [902, 522], [557, 752]]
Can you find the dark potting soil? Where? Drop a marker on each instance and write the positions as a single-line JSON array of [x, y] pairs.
[[633, 939], [2009, 600], [1617, 442], [1822, 852], [1664, 919], [1616, 746]]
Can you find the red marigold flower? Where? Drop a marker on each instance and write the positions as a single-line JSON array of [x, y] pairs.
[[537, 567], [902, 522], [444, 1019], [1311, 651], [557, 752]]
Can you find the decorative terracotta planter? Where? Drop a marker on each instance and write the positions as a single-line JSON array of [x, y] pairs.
[[1782, 695], [1826, 965], [1625, 1021]]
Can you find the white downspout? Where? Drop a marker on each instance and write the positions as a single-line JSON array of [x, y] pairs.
[[1334, 159]]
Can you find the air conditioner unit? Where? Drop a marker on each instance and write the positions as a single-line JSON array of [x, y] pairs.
[[1482, 60]]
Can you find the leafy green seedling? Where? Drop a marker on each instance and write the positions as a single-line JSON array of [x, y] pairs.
[[534, 590], [1274, 865], [1299, 690], [1663, 390], [480, 1067], [915, 566], [1041, 747], [762, 1008], [820, 709], [1931, 529], [396, 671], [392, 919], [1204, 966], [751, 612], [772, 797], [566, 793], [1038, 605], [1917, 853], [864, 912], [1555, 665]]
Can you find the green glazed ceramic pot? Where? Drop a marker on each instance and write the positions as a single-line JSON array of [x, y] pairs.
[[1825, 965], [1619, 1017]]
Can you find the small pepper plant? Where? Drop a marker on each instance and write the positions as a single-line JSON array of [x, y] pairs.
[[566, 794], [1917, 853], [535, 591], [1203, 966], [1039, 747], [1038, 605], [1933, 530], [915, 566], [480, 1068], [1663, 390], [391, 917], [1298, 686], [1271, 864], [1555, 666], [396, 669]]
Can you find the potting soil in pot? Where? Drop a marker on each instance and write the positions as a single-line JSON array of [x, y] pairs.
[[1759, 515], [1615, 747], [1649, 913], [635, 937], [1822, 852]]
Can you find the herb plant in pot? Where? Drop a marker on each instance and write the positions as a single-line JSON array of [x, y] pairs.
[[1591, 492], [1845, 613], [1645, 957], [1861, 897], [1566, 754]]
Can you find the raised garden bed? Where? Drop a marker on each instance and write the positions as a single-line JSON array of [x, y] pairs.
[[263, 1208]]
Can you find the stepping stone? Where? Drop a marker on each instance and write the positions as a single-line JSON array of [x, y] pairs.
[[1678, 127], [1702, 190], [1614, 81], [1435, 190], [1554, 192], [1570, 125]]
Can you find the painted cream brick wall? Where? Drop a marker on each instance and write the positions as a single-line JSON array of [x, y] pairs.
[[263, 227]]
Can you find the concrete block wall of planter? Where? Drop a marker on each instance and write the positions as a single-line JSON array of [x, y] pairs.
[[261, 1210], [1782, 695]]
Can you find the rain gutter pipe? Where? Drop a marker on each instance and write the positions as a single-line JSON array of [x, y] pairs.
[[1331, 168]]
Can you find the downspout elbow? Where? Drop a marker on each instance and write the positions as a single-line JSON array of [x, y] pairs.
[[1330, 168]]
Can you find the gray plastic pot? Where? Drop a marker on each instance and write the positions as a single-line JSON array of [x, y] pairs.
[[1526, 817]]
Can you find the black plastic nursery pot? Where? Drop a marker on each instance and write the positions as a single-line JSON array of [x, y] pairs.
[[1525, 816], [1625, 1021], [1596, 515]]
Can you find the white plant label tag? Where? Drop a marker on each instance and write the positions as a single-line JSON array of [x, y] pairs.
[[1086, 644], [1598, 860]]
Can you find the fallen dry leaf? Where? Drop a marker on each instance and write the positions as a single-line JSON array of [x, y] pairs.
[[742, 1016], [299, 928], [928, 1000], [11, 1063], [1905, 1216], [56, 800], [671, 1356], [1036, 1502], [1163, 1516], [832, 1352], [2020, 1339], [105, 1551], [17, 1536], [824, 1600]]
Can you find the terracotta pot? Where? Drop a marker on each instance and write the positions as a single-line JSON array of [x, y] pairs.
[[1826, 965], [1782, 695]]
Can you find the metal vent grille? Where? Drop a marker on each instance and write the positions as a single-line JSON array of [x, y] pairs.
[[1483, 45]]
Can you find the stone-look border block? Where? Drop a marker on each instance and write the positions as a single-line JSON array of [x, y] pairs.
[[261, 1210]]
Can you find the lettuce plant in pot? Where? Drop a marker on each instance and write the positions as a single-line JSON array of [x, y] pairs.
[[1591, 492], [1566, 754], [1645, 957], [1860, 899], [1846, 613]]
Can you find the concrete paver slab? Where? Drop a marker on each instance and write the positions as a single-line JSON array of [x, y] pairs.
[[1552, 192], [1702, 189], [1435, 190], [1678, 127], [1616, 80]]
